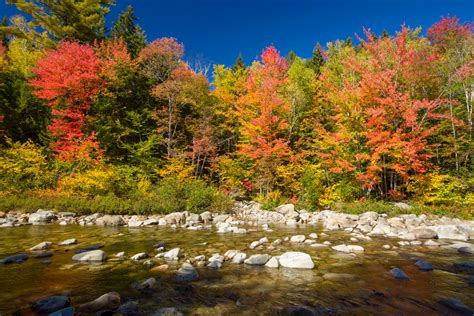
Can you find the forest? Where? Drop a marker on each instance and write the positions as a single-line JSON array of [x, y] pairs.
[[97, 119]]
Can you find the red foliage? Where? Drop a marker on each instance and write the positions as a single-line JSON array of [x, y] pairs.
[[449, 30], [161, 57], [68, 78]]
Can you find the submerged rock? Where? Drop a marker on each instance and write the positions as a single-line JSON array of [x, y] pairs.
[[167, 311], [68, 311], [109, 300], [186, 273], [42, 246], [89, 248], [424, 265], [19, 258], [50, 304], [348, 248], [68, 242], [296, 260], [94, 255], [145, 285], [398, 274], [139, 256], [129, 309], [457, 306]]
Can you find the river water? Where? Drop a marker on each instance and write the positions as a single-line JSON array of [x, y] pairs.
[[360, 284]]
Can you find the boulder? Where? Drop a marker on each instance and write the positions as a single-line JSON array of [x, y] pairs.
[[296, 260], [287, 210], [258, 260], [451, 232], [19, 258], [94, 255], [145, 285], [139, 256], [175, 218], [67, 242], [348, 248], [41, 217], [68, 311], [50, 304], [110, 220], [239, 258], [129, 309], [424, 233], [272, 263], [457, 306], [173, 254], [424, 265], [298, 238], [109, 300], [89, 248]]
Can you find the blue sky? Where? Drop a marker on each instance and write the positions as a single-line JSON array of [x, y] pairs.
[[218, 30]]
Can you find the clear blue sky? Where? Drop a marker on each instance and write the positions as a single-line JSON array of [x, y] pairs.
[[218, 30]]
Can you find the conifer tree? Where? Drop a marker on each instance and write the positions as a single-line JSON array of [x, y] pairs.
[[130, 32]]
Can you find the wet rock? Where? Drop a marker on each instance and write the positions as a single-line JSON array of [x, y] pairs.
[[160, 244], [42, 255], [129, 309], [220, 218], [186, 273], [431, 243], [258, 260], [120, 254], [298, 238], [41, 217], [139, 256], [214, 265], [150, 222], [288, 210], [386, 246], [89, 248], [458, 306], [206, 217], [313, 236], [19, 258], [173, 254], [424, 265], [94, 255], [160, 268], [348, 248], [68, 242], [272, 263], [145, 285], [50, 304], [254, 244], [149, 263], [296, 260], [466, 250], [68, 311], [167, 311], [239, 258], [41, 246], [381, 229], [398, 274], [135, 223], [109, 300], [110, 220], [464, 267]]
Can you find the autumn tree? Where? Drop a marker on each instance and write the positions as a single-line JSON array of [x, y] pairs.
[[263, 111], [130, 32], [68, 79]]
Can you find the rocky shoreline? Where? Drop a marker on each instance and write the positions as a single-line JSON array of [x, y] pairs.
[[407, 227]]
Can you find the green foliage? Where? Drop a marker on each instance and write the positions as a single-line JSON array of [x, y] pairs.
[[131, 33]]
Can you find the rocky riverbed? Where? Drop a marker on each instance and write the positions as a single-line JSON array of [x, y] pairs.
[[251, 261]]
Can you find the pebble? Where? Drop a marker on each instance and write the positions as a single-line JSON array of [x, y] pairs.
[[139, 256]]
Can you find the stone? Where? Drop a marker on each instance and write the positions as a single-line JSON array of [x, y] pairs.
[[214, 265], [173, 254], [348, 248], [431, 243], [42, 246], [120, 254], [110, 220], [402, 206], [167, 311], [129, 309], [398, 274], [160, 268], [457, 306], [254, 244], [296, 260], [41, 255], [89, 248], [380, 229], [263, 240], [186, 273], [109, 300], [68, 242], [150, 222], [94, 255], [319, 245], [313, 236], [288, 210], [424, 233], [466, 250], [200, 258], [424, 265], [68, 311], [467, 267], [272, 263], [386, 247], [239, 258], [41, 217], [258, 260], [19, 258], [149, 263], [220, 218], [139, 256], [298, 238], [452, 232], [135, 223], [50, 304], [338, 276], [145, 285]]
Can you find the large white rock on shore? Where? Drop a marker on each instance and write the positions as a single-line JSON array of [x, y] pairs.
[[296, 260], [94, 255]]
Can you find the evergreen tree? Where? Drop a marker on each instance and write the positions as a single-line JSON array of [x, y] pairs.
[[291, 57], [3, 35], [81, 20], [131, 33], [239, 63], [317, 60]]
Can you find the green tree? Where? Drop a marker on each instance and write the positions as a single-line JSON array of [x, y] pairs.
[[131, 33], [82, 20], [239, 63], [317, 60]]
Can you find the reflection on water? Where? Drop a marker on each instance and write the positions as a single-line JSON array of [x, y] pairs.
[[341, 283]]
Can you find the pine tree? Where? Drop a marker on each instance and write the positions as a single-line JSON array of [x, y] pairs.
[[317, 60], [291, 57], [3, 35], [81, 20], [131, 33], [239, 63]]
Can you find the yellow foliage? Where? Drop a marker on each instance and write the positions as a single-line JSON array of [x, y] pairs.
[[176, 168], [288, 177], [22, 56], [91, 182]]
